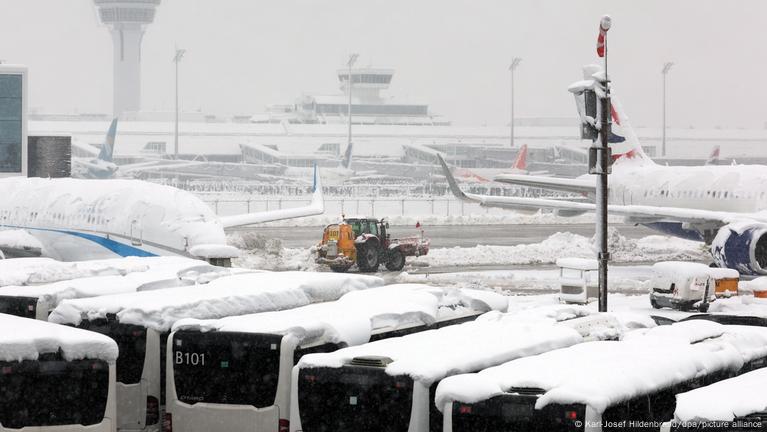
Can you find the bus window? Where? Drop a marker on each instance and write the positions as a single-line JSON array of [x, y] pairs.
[[50, 391], [226, 367], [354, 399], [131, 341], [25, 307]]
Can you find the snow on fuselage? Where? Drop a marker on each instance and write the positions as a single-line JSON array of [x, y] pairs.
[[738, 188], [91, 219]]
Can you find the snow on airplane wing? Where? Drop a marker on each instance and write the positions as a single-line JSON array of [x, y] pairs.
[[645, 214], [316, 207], [562, 184]]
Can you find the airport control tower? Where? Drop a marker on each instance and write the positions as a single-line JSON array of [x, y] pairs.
[[127, 20]]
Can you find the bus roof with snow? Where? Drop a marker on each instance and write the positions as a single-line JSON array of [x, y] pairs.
[[55, 377], [601, 383]]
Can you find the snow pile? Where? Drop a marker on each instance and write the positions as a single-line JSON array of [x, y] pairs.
[[34, 271], [19, 239], [753, 286], [740, 305], [25, 339], [560, 245], [430, 356], [566, 375], [235, 295], [172, 273], [261, 252], [724, 400]]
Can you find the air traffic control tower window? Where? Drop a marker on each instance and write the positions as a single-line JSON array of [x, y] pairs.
[[11, 127]]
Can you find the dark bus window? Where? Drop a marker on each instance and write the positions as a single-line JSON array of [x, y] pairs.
[[226, 367], [516, 413], [25, 307], [50, 392], [354, 399], [635, 410], [131, 341]]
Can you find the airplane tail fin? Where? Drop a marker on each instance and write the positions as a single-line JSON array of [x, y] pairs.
[[346, 162], [623, 140], [520, 163], [107, 149], [713, 159]]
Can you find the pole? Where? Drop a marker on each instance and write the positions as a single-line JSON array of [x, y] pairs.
[[602, 188], [350, 63], [514, 63], [666, 68], [177, 59]]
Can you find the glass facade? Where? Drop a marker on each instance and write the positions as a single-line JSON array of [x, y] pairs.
[[358, 78], [11, 127]]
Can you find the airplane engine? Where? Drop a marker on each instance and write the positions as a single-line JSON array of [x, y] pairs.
[[742, 247]]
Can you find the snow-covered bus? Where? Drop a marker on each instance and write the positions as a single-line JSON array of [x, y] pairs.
[[55, 378], [394, 380], [37, 301], [602, 386], [735, 404], [140, 323], [234, 374]]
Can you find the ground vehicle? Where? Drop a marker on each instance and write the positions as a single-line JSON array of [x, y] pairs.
[[682, 285], [55, 378], [140, 323], [260, 350], [578, 279], [395, 379], [735, 404], [366, 242], [636, 388]]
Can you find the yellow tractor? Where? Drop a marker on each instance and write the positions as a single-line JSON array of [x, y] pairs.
[[366, 243]]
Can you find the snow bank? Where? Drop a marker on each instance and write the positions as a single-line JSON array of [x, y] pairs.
[[168, 274], [492, 339], [560, 245], [234, 295], [754, 285], [34, 271], [25, 339], [354, 317], [724, 400], [19, 239], [658, 358]]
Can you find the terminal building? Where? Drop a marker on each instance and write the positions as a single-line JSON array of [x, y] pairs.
[[369, 105]]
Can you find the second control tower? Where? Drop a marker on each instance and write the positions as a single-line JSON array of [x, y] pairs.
[[127, 20]]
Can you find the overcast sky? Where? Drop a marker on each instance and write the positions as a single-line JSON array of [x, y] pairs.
[[452, 54]]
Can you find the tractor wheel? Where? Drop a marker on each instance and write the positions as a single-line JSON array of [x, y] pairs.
[[367, 257], [340, 269], [396, 260]]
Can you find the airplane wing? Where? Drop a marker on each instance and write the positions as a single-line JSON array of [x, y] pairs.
[[316, 207], [554, 183], [637, 213]]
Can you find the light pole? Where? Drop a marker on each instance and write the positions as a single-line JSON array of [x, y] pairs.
[[350, 63], [514, 63], [666, 68], [177, 59]]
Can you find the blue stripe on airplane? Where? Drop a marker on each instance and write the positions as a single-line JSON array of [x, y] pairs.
[[118, 248]]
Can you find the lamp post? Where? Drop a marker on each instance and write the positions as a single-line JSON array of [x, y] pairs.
[[177, 59], [514, 63], [350, 63], [666, 67]]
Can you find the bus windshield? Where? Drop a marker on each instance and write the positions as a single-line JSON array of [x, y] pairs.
[[354, 399], [131, 341], [25, 307], [226, 367], [51, 392], [514, 413]]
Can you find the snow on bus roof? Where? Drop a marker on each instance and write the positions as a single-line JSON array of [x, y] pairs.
[[171, 274], [652, 359], [724, 400], [35, 271], [429, 356], [233, 295], [355, 316], [25, 339]]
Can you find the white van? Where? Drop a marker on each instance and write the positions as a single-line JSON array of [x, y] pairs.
[[55, 378], [234, 374], [140, 323], [682, 285], [578, 280]]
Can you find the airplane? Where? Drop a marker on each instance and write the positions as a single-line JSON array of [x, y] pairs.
[[713, 158], [343, 172], [724, 206], [102, 167], [76, 219]]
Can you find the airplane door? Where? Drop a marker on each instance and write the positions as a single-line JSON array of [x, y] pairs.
[[136, 233]]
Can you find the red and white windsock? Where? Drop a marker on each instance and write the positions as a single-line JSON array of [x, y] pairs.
[[604, 25]]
